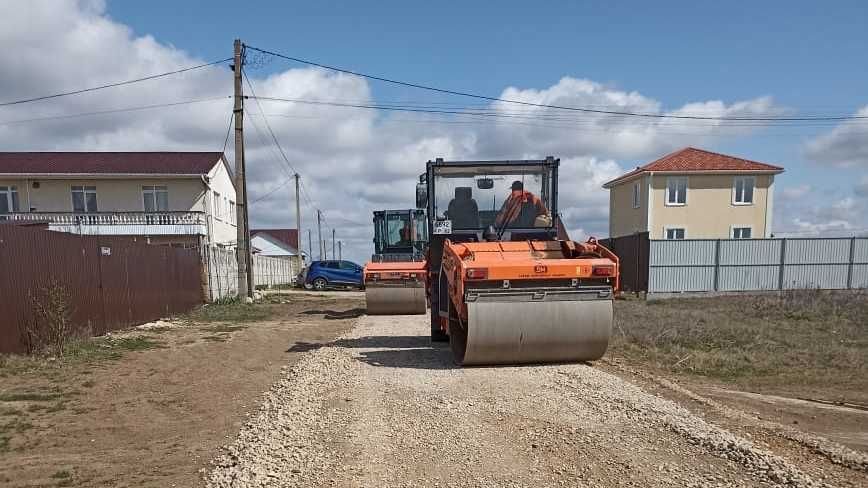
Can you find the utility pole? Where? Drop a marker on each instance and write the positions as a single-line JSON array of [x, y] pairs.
[[242, 252], [319, 234], [340, 251], [309, 245], [297, 216], [333, 244]]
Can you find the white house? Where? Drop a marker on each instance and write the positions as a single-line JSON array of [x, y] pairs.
[[180, 198]]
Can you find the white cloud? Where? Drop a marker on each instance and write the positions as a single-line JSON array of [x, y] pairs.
[[846, 145], [352, 161]]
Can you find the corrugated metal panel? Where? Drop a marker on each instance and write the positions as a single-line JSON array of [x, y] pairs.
[[827, 276], [860, 276], [818, 251], [860, 251], [750, 251], [674, 279], [682, 252], [111, 282], [737, 278]]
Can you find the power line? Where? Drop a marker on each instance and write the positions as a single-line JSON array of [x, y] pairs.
[[559, 107], [112, 111], [111, 85]]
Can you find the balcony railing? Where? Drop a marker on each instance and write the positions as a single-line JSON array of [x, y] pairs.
[[122, 223]]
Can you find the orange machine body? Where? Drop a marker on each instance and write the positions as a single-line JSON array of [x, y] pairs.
[[394, 271], [564, 262]]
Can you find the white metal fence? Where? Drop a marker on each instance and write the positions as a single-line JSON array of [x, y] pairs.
[[700, 265], [222, 272]]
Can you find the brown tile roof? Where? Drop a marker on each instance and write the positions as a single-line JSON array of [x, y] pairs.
[[287, 236], [692, 159], [107, 162]]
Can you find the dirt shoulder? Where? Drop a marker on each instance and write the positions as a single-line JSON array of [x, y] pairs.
[[796, 361], [151, 407]]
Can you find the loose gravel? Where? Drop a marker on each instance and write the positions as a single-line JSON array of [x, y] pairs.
[[383, 407]]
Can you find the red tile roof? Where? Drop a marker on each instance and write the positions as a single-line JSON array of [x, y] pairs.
[[286, 236], [108, 162], [691, 159]]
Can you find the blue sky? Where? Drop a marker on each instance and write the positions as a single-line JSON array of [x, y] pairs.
[[719, 59], [809, 56]]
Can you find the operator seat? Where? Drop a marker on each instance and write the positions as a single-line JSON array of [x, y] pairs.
[[463, 210]]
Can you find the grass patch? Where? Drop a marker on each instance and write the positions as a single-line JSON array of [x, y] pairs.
[[102, 348], [216, 338], [233, 311], [805, 337], [63, 474], [29, 397]]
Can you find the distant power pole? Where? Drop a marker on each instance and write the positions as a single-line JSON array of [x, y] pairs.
[[319, 234], [340, 251], [297, 215], [333, 244], [309, 245], [242, 252]]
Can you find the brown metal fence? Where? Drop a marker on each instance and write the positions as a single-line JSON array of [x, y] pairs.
[[112, 282], [633, 253]]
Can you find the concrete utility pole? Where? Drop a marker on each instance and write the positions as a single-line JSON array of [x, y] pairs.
[[340, 251], [242, 251], [333, 244], [319, 234], [297, 215], [309, 245]]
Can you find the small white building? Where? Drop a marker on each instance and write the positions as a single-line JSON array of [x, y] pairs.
[[275, 242], [179, 198]]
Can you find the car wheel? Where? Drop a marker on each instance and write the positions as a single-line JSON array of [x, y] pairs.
[[320, 284]]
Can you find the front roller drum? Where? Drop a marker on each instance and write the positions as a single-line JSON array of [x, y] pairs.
[[506, 332], [395, 299]]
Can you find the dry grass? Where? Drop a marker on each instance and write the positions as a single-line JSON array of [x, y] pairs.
[[805, 338]]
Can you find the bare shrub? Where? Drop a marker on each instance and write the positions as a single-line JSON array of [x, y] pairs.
[[50, 327]]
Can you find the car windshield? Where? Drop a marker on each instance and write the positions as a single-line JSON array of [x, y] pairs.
[[474, 197]]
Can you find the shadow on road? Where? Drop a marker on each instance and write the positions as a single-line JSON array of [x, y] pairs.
[[413, 352], [337, 314]]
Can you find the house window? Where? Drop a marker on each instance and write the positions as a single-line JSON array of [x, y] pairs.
[[232, 212], [8, 199], [156, 198], [672, 233], [637, 195], [741, 232], [84, 199], [742, 190], [676, 191], [217, 212]]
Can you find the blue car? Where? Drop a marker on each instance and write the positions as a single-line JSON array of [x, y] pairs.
[[327, 274]]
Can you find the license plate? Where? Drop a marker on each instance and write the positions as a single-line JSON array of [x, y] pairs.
[[442, 227]]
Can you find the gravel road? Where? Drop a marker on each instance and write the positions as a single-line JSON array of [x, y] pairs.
[[382, 407]]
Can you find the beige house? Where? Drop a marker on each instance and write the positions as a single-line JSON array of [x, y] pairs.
[[694, 194], [183, 198]]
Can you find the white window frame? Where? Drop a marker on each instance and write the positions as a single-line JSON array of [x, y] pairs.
[[675, 179], [10, 194], [682, 228], [732, 229], [84, 190], [735, 180], [232, 212], [154, 190], [637, 194]]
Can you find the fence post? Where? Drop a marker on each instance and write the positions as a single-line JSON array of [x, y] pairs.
[[716, 264], [783, 261], [850, 264]]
